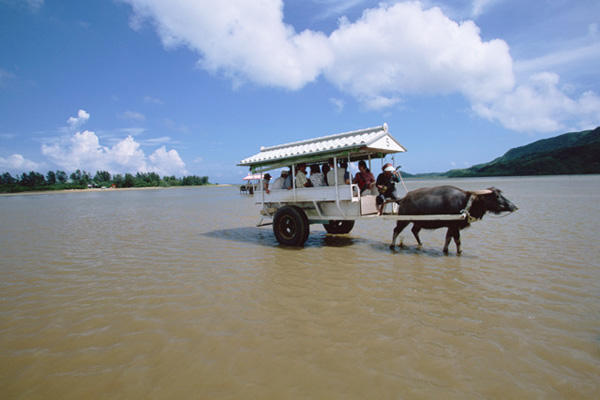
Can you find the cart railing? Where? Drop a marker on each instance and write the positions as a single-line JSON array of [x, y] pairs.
[[310, 194]]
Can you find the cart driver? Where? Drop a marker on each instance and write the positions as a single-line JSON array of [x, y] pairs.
[[386, 185]]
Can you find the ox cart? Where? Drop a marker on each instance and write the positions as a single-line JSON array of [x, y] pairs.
[[337, 206]]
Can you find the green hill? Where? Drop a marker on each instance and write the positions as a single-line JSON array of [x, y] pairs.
[[570, 153]]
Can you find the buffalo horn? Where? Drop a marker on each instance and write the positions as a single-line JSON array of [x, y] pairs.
[[481, 192]]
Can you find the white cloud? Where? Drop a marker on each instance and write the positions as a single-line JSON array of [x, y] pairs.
[[80, 119], [158, 140], [167, 162], [174, 126], [245, 40], [35, 4], [152, 100], [337, 103], [480, 6], [564, 56], [132, 131], [378, 102], [84, 151], [403, 49], [335, 7], [133, 115], [540, 106], [5, 76], [390, 52], [17, 163], [126, 155]]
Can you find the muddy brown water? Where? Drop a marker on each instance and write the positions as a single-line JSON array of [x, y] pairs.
[[175, 294]]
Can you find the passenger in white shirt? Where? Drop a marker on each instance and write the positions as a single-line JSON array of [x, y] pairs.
[[316, 177], [278, 183], [301, 180], [343, 176]]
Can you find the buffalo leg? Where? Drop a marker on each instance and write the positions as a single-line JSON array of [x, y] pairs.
[[400, 225], [456, 236], [447, 242], [415, 230]]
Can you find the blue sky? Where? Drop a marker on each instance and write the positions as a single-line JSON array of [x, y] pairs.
[[192, 87]]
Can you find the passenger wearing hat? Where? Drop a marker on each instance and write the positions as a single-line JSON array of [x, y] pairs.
[[386, 184], [278, 183]]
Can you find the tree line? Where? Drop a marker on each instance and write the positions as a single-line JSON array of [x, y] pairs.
[[58, 180]]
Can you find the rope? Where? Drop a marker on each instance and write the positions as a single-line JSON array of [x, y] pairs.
[[501, 216], [402, 180], [468, 208]]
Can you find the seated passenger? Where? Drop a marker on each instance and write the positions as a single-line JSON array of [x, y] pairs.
[[344, 166], [316, 177], [301, 180], [278, 183], [266, 179], [288, 184], [342, 176], [365, 179], [325, 172]]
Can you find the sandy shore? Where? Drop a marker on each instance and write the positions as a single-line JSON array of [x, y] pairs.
[[37, 192]]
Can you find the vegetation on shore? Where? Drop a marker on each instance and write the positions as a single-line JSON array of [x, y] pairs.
[[570, 153], [59, 180]]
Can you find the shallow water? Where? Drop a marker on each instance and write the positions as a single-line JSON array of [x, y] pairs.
[[176, 294]]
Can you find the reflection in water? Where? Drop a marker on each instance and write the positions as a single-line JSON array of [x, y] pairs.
[[265, 237], [335, 240], [250, 235], [175, 294]]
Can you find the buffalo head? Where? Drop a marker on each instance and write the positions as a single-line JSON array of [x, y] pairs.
[[494, 201]]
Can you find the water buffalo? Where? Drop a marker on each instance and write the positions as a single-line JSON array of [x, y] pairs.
[[448, 200]]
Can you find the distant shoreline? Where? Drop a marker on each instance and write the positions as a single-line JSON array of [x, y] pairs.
[[37, 192]]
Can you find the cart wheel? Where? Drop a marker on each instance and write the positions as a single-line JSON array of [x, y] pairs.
[[306, 223], [290, 226], [339, 226]]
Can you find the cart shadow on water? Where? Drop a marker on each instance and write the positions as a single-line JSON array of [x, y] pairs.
[[264, 237]]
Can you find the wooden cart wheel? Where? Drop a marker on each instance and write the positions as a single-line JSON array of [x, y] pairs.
[[290, 226], [339, 226]]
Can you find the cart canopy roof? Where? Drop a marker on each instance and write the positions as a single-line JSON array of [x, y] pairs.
[[356, 145]]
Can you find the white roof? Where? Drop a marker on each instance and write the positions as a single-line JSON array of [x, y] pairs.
[[370, 140]]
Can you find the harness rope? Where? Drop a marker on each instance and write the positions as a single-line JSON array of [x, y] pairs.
[[402, 180], [467, 208]]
